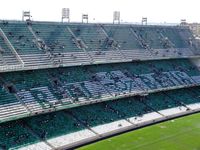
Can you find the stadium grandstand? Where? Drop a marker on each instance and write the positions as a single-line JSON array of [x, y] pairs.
[[66, 84]]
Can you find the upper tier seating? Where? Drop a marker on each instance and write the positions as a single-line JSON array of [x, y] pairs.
[[6, 55], [127, 42], [151, 36], [20, 37], [93, 36], [25, 44], [123, 36], [173, 34], [46, 44], [165, 42], [96, 42], [56, 37], [4, 49]]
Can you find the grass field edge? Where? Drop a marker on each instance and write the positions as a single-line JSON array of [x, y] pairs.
[[127, 129]]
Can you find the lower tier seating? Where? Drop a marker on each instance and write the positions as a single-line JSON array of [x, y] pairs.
[[70, 126], [15, 135], [39, 91]]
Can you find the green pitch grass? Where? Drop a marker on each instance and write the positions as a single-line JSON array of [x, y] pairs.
[[178, 134]]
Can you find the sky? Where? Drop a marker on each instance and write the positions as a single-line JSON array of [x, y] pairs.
[[157, 11]]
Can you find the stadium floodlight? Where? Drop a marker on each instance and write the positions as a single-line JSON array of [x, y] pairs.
[[84, 18], [144, 20], [65, 14], [116, 17], [183, 22], [26, 14]]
